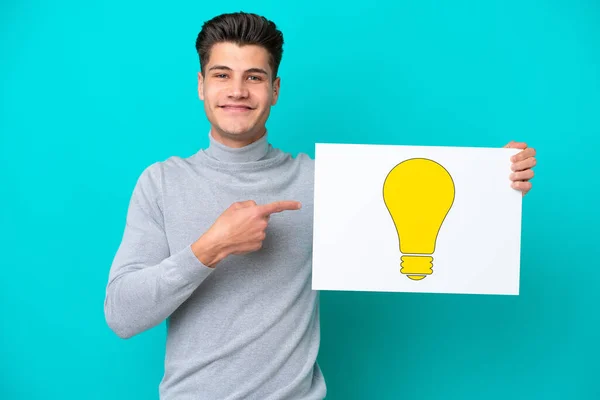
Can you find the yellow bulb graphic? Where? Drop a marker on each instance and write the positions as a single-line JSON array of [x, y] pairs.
[[418, 193]]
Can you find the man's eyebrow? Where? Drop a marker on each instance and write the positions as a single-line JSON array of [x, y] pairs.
[[219, 67], [257, 71], [251, 70]]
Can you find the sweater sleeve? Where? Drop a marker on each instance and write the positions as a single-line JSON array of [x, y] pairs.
[[146, 283]]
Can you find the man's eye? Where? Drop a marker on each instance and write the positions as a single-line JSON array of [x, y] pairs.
[[221, 75], [253, 77]]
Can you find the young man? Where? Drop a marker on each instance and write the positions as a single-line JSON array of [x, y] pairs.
[[220, 243]]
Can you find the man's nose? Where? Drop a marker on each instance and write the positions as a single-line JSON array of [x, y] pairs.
[[238, 90]]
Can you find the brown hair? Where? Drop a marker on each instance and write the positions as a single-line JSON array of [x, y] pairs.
[[242, 29]]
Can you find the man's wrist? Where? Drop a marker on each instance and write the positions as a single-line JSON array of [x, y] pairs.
[[207, 252]]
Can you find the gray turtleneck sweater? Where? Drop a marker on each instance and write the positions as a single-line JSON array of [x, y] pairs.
[[247, 329]]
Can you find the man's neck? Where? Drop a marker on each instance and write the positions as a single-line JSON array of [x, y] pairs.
[[253, 151]]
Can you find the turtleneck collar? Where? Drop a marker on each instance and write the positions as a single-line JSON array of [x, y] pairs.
[[253, 152]]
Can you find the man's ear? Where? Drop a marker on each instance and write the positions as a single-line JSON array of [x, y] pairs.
[[276, 89], [200, 86]]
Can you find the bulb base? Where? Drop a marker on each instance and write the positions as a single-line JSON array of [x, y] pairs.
[[416, 267]]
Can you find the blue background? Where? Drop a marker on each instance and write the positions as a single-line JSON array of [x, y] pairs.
[[93, 92]]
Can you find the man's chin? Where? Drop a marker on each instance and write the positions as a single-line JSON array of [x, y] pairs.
[[239, 134]]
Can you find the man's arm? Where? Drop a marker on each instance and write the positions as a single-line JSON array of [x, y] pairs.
[[146, 283]]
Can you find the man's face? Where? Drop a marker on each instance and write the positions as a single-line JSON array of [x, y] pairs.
[[238, 92]]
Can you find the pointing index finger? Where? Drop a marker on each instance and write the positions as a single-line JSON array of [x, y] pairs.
[[279, 206]]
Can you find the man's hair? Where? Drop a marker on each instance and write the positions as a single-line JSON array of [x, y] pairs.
[[242, 29]]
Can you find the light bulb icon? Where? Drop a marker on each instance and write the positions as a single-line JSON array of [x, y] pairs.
[[418, 194]]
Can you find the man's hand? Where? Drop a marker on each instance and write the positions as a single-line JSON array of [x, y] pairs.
[[522, 166], [239, 230]]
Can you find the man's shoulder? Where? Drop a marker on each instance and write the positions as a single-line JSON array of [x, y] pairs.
[[172, 165], [304, 157], [155, 173], [296, 156], [300, 162]]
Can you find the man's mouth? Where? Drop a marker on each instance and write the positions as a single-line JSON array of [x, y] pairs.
[[235, 107]]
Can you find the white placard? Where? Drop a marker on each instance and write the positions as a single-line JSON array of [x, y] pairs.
[[448, 212]]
